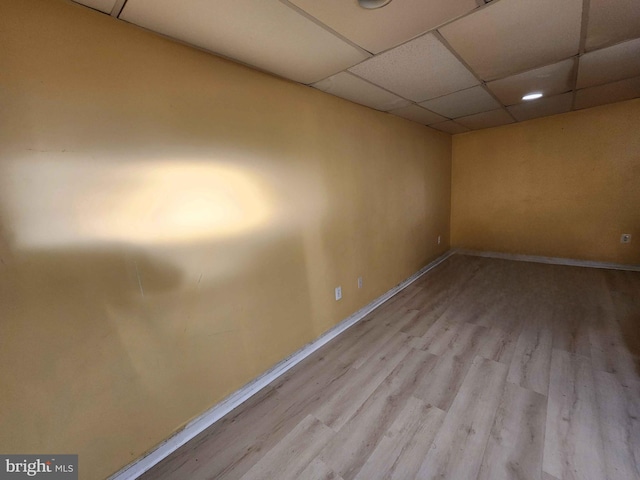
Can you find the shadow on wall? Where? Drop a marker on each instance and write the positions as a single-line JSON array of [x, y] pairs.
[[89, 336], [158, 287]]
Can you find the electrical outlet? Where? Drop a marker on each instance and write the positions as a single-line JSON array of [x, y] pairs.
[[625, 238], [438, 239], [338, 293], [359, 282]]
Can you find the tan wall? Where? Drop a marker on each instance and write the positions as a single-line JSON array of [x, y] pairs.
[[562, 186], [173, 224]]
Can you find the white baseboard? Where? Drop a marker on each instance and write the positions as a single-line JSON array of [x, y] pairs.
[[208, 418], [551, 260]]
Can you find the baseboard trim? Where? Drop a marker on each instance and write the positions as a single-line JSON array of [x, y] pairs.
[[550, 260], [208, 418]]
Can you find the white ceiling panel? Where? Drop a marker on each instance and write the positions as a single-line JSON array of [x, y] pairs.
[[103, 5], [266, 34], [450, 127], [490, 119], [384, 28], [419, 115], [510, 36], [462, 103], [418, 70], [609, 93], [346, 85], [433, 61], [610, 64], [549, 80], [612, 21], [542, 107]]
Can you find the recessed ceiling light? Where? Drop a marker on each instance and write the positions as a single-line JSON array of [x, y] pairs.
[[532, 96], [371, 4]]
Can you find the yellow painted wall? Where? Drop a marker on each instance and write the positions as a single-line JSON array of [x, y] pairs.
[[562, 186], [173, 224]]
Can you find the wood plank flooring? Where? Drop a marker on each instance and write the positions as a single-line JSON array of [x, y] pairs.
[[482, 369]]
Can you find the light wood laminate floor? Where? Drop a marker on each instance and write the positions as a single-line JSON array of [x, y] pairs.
[[482, 369]]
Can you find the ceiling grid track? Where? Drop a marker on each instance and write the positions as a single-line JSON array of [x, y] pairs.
[[439, 61], [330, 30], [581, 49], [431, 30], [375, 85], [118, 6], [483, 84]]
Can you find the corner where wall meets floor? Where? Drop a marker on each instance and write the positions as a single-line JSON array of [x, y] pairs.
[[563, 186], [174, 224]]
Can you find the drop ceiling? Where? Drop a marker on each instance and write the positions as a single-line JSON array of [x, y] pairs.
[[454, 65]]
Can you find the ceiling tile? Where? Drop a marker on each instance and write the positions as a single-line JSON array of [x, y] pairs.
[[493, 118], [462, 103], [609, 93], [381, 29], [417, 114], [352, 88], [265, 34], [549, 80], [450, 127], [103, 5], [612, 21], [419, 70], [511, 36], [610, 64], [542, 107]]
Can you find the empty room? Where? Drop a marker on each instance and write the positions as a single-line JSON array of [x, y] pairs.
[[320, 239]]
